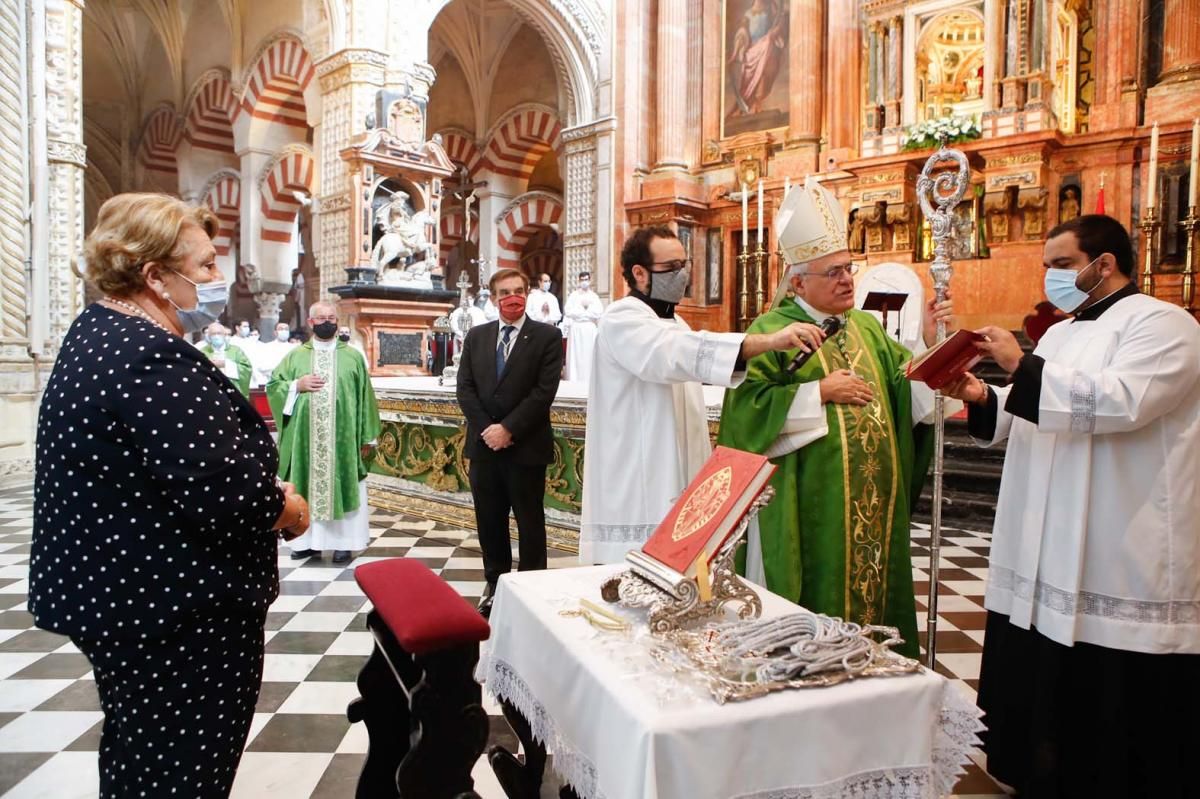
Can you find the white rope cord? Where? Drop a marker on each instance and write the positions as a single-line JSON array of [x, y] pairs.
[[798, 645]]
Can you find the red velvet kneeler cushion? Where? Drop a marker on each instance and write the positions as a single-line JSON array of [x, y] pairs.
[[420, 608]]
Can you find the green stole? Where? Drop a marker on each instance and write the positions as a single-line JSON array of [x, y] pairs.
[[836, 537], [320, 441]]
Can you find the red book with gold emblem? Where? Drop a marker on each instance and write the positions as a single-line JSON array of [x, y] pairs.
[[709, 510], [946, 362]]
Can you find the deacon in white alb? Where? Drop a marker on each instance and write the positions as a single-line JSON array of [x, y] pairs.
[[268, 354], [1092, 647], [581, 311], [647, 429], [542, 306]]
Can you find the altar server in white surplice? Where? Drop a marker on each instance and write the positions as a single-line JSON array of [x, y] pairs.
[[647, 429], [581, 311], [543, 305], [1092, 650]]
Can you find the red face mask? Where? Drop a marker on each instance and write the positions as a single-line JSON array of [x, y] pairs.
[[512, 306]]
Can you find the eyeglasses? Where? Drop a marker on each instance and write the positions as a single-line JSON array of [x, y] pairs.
[[673, 266], [835, 272]]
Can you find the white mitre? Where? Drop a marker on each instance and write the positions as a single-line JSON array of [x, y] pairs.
[[810, 224]]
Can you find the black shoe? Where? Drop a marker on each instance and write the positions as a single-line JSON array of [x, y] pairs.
[[485, 607], [301, 554], [341, 556]]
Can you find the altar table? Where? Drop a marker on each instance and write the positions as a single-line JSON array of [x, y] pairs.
[[620, 726]]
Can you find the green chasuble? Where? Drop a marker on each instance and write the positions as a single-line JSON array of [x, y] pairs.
[[320, 441], [836, 537], [235, 355]]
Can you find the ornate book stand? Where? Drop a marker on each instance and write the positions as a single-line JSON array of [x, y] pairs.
[[674, 599]]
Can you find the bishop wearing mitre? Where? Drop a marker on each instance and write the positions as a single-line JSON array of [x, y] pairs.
[[848, 433]]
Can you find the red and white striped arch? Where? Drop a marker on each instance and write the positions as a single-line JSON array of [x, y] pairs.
[[275, 87], [209, 121], [524, 218], [225, 199], [542, 262], [461, 149], [292, 171], [451, 230], [521, 140], [160, 139]]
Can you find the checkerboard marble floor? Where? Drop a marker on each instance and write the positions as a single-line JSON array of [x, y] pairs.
[[301, 744]]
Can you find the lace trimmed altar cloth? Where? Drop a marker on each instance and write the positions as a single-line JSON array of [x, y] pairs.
[[621, 727]]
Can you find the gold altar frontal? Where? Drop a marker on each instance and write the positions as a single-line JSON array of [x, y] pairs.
[[419, 467]]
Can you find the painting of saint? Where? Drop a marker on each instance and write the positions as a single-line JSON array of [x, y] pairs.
[[756, 66]]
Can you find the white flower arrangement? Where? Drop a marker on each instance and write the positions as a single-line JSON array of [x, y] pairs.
[[929, 133]]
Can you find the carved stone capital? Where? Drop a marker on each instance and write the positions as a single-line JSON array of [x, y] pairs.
[[66, 152], [269, 303]]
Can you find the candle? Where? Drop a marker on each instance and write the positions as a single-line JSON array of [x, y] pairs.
[[787, 186], [1195, 165], [1152, 181], [745, 218], [760, 212]]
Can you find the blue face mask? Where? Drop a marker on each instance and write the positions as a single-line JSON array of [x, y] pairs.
[[210, 302], [1061, 288], [217, 342]]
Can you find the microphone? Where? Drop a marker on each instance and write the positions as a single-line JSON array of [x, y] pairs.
[[831, 325]]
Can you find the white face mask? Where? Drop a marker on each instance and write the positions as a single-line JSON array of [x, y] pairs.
[[282, 335], [585, 284], [545, 285]]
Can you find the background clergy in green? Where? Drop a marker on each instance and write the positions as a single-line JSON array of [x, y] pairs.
[[226, 354], [836, 537], [357, 424]]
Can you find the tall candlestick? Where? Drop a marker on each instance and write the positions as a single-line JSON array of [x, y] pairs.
[[1195, 163], [760, 212], [745, 217], [1152, 181]]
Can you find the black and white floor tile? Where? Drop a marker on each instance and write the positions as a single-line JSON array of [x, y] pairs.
[[301, 744]]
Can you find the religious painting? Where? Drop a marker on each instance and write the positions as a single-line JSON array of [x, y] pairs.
[[754, 91], [685, 238], [714, 263]]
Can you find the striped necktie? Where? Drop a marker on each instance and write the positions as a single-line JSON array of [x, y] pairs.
[[502, 350]]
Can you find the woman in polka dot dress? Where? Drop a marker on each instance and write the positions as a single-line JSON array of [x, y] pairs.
[[155, 506]]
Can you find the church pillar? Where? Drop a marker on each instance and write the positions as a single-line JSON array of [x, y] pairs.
[[253, 163], [873, 117], [1177, 92], [269, 304], [672, 85], [42, 161], [588, 204], [806, 67], [1118, 72], [65, 154], [349, 79], [843, 81]]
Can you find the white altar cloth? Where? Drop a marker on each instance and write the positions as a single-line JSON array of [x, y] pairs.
[[620, 728]]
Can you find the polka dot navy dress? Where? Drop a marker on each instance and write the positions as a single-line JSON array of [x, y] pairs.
[[155, 493]]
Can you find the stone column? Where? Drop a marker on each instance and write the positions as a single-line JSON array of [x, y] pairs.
[[843, 80], [1177, 92], [588, 203], [269, 304], [13, 198], [349, 81], [805, 63], [672, 85], [873, 122]]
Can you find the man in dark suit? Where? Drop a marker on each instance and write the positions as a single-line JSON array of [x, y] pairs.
[[507, 380]]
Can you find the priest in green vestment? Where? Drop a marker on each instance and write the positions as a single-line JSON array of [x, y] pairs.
[[848, 433], [328, 423], [227, 357]]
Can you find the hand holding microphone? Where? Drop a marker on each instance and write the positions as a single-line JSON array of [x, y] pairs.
[[829, 327]]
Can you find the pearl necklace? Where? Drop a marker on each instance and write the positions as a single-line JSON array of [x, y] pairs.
[[136, 310]]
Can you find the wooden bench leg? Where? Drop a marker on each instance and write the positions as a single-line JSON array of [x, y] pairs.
[[383, 707], [519, 780]]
